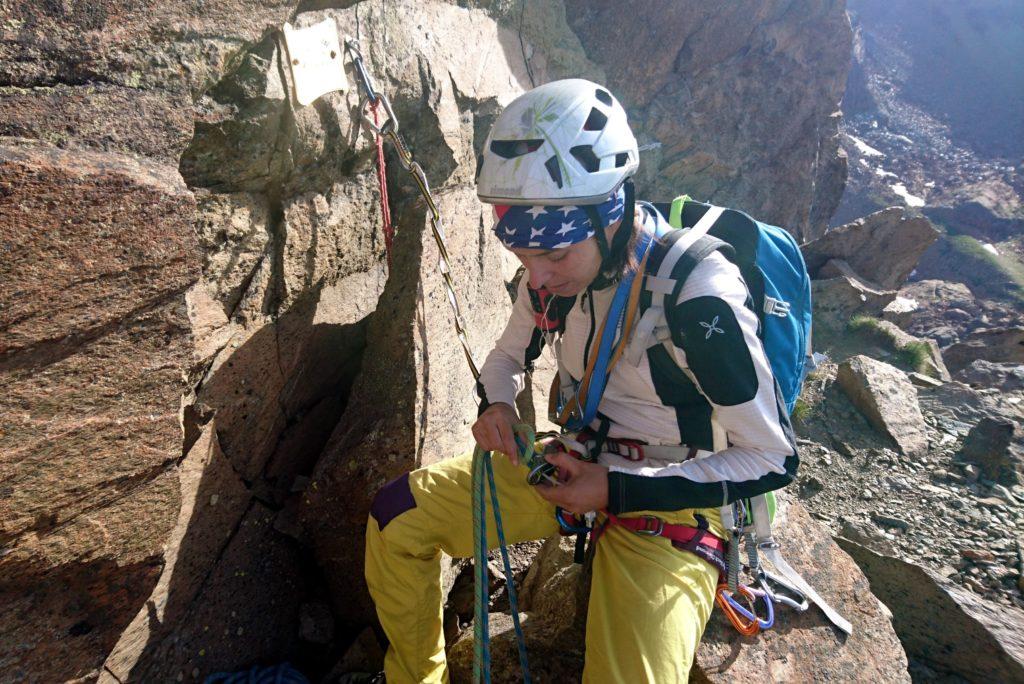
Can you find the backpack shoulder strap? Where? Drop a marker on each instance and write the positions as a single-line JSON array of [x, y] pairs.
[[686, 248]]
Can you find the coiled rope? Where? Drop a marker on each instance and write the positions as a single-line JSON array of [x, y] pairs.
[[483, 480]]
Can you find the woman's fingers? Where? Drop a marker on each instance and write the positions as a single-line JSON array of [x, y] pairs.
[[508, 441]]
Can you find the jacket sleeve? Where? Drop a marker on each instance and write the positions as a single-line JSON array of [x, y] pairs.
[[502, 376], [715, 342]]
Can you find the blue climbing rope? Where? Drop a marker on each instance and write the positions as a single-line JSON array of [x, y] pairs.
[[483, 479]]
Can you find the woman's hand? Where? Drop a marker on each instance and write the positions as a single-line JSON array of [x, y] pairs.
[[583, 488], [493, 430]]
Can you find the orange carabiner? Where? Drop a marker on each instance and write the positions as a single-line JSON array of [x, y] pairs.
[[742, 625]]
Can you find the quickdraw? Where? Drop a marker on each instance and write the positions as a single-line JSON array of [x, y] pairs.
[[389, 129], [745, 619], [482, 469]]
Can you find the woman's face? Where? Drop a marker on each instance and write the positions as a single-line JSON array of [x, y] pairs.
[[564, 272]]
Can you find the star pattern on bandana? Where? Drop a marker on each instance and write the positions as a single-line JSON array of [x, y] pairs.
[[552, 227]]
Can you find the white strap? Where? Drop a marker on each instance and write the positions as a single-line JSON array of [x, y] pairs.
[[663, 284], [709, 218], [689, 237], [642, 334], [658, 285], [770, 549]]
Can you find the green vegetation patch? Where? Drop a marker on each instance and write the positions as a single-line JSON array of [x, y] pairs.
[[1010, 267], [913, 355]]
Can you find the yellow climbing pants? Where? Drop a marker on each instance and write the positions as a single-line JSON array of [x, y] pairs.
[[649, 602]]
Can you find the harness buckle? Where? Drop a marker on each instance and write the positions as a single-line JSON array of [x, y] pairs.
[[659, 526], [629, 449]]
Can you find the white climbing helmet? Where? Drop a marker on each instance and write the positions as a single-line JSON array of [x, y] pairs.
[[563, 143]]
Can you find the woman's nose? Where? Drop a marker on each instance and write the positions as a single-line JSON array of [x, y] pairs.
[[537, 275]]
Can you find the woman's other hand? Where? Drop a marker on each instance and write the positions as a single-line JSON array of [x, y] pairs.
[[493, 430], [583, 486]]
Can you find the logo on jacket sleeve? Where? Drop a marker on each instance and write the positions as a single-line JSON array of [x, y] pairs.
[[707, 330], [711, 327]]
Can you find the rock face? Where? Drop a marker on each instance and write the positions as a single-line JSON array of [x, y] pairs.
[[801, 647], [412, 403], [976, 641], [887, 399], [94, 336], [689, 85], [208, 368]]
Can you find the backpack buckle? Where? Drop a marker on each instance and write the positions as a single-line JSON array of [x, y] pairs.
[[776, 307]]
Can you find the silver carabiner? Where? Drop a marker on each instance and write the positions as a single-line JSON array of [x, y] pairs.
[[770, 585], [390, 124]]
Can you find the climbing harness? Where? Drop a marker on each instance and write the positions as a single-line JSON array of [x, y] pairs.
[[372, 101], [483, 480]]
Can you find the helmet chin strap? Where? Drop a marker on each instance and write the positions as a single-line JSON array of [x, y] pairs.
[[605, 275]]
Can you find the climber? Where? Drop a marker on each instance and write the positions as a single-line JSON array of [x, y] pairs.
[[693, 423]]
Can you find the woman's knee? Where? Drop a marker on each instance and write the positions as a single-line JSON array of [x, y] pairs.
[[392, 500]]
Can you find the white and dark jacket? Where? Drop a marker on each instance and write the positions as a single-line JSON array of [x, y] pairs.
[[709, 387]]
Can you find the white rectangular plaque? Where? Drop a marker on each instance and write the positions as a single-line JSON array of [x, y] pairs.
[[316, 60]]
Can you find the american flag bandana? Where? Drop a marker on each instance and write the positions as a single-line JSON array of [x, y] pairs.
[[552, 227]]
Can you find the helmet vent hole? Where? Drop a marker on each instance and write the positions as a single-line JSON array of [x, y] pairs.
[[596, 120], [584, 154], [604, 96], [510, 149], [621, 159], [555, 170]]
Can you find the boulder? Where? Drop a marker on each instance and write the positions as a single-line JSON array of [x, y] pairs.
[[997, 447], [887, 398], [999, 345], [1001, 376], [957, 407], [801, 646], [975, 640], [883, 247], [900, 310], [841, 294]]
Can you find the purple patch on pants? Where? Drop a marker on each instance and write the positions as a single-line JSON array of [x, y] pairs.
[[392, 500]]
